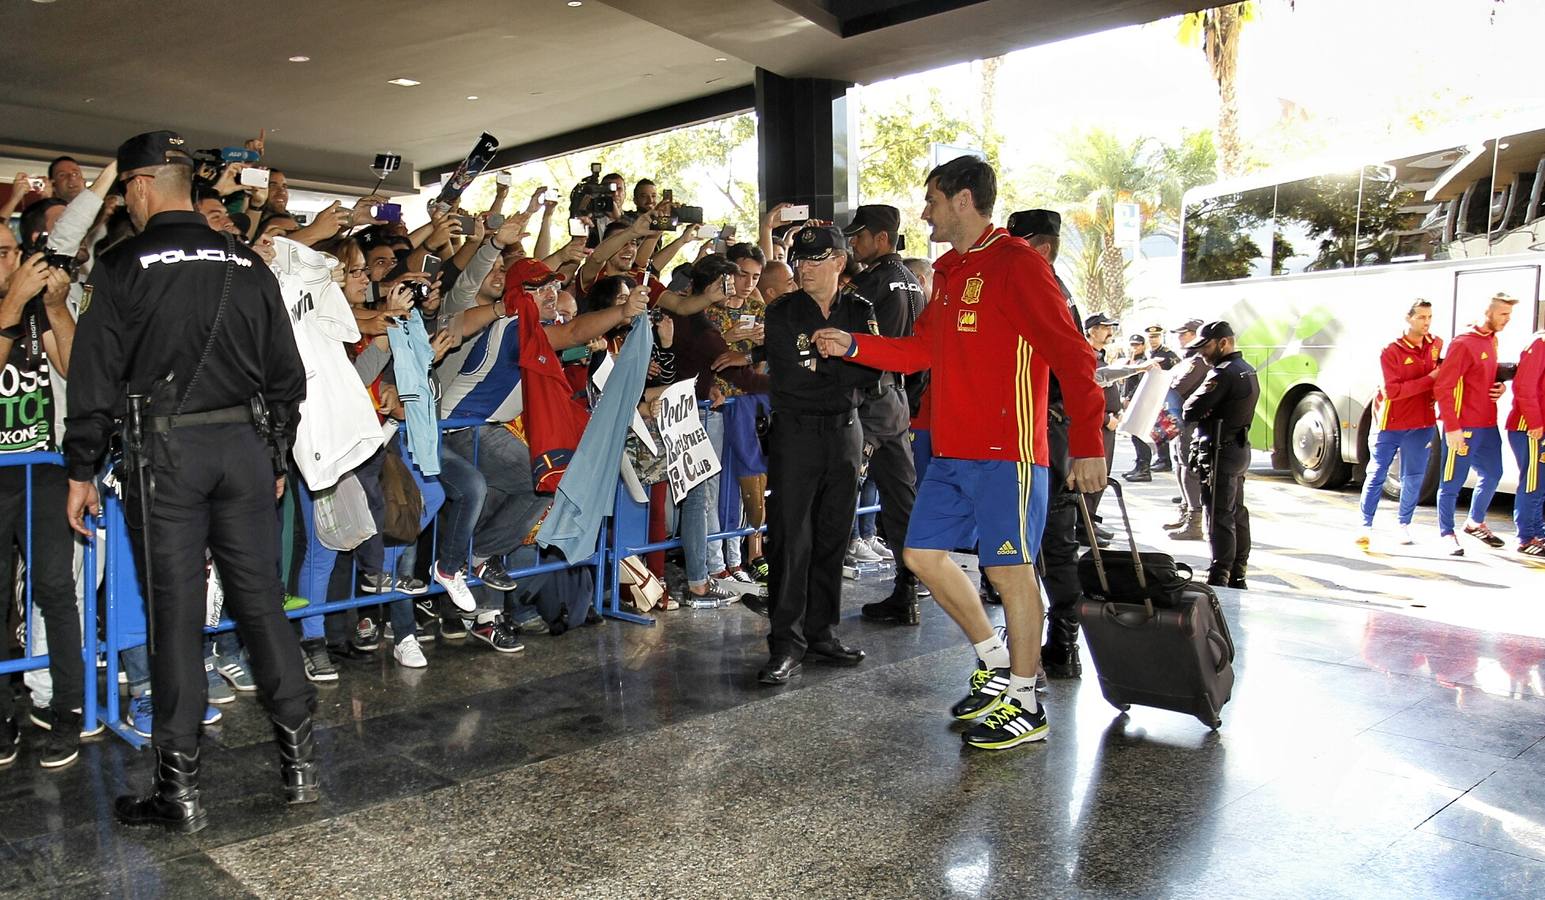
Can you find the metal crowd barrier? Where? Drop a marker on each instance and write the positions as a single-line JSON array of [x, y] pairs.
[[86, 594]]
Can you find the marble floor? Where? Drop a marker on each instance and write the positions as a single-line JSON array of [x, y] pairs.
[[1364, 754]]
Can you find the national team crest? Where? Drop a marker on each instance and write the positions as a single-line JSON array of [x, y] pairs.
[[973, 294], [966, 321]]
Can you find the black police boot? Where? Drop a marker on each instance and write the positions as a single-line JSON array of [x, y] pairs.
[[1060, 655], [174, 801], [1236, 579], [900, 607], [297, 762], [1138, 475], [1217, 579], [988, 593]]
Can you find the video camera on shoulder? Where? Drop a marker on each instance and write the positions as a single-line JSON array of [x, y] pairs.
[[62, 261], [591, 197]]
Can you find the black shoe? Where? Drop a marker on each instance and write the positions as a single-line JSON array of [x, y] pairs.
[[988, 593], [348, 650], [835, 652], [44, 719], [174, 802], [499, 634], [1104, 534], [1162, 467], [987, 686], [1238, 584], [495, 576], [1007, 726], [10, 740], [1083, 539], [757, 603], [1059, 657], [779, 670], [759, 569], [297, 762], [62, 746], [1177, 500], [900, 607], [453, 627], [1217, 581], [1144, 475], [319, 664]]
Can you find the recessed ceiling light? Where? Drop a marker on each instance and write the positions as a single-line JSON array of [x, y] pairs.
[[300, 59], [721, 59], [472, 96], [572, 3], [89, 100], [403, 82]]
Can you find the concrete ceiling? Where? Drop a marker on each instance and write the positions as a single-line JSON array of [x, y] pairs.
[[81, 75]]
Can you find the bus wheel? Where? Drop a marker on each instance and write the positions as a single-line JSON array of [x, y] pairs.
[[1314, 448], [1429, 491]]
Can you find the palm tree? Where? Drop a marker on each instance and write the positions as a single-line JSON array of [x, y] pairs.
[[1217, 31], [1102, 171]]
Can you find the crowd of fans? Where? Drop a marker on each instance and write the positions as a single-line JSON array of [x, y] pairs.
[[420, 349]]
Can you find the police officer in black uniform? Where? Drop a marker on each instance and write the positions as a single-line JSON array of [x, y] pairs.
[[814, 449], [897, 298], [192, 321], [1042, 229], [1222, 409]]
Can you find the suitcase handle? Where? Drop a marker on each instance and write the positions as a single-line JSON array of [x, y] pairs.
[[1220, 649], [1129, 618], [1094, 543]]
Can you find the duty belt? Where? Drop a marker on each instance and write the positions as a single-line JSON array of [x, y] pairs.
[[817, 420], [230, 415]]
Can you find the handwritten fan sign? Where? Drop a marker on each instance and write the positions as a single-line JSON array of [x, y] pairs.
[[689, 458]]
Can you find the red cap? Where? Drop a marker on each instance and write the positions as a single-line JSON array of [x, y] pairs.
[[531, 273]]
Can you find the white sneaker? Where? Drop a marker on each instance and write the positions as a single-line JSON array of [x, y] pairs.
[[1364, 537], [455, 585], [859, 552], [1405, 535], [409, 654], [879, 549]]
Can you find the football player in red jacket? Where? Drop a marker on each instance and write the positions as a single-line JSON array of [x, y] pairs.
[[1406, 418], [1525, 428], [996, 327]]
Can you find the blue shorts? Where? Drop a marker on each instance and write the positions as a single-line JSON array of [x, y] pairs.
[[1001, 502]]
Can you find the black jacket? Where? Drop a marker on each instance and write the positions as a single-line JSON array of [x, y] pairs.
[[1224, 406], [148, 314], [897, 298], [801, 381]]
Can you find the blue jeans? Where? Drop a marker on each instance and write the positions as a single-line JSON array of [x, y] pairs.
[[1484, 452], [465, 490], [868, 495], [400, 613], [693, 520], [1529, 497], [511, 506], [1413, 445], [721, 554]]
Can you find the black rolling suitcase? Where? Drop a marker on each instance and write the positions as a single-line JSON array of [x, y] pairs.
[[1155, 643]]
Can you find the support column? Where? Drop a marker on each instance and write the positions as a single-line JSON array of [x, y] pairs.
[[807, 136]]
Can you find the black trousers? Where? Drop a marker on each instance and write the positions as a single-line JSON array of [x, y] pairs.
[[51, 562], [1228, 528], [216, 491], [886, 430], [1059, 540], [1093, 497], [1144, 454], [812, 477]]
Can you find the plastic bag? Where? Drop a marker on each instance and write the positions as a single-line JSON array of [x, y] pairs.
[[343, 519]]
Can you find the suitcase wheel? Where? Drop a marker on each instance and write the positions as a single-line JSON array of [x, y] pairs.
[[1121, 706]]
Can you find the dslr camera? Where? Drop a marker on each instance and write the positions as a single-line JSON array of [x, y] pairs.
[[689, 215], [590, 197], [62, 261]]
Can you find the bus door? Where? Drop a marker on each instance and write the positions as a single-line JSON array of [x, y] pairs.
[[1472, 291]]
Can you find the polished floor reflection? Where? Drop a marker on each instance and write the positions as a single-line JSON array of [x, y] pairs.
[[1365, 754]]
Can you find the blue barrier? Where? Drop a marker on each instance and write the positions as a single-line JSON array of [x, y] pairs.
[[87, 597]]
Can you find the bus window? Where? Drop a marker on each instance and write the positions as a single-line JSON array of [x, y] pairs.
[[1316, 224], [1227, 237], [1394, 223]]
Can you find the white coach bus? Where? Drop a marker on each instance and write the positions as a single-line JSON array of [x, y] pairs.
[[1316, 271]]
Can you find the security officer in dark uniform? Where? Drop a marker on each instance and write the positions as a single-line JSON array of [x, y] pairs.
[[897, 298], [1222, 409], [1042, 229], [185, 336], [814, 449]]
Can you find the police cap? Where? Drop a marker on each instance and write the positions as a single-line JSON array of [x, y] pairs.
[[875, 219], [153, 148], [1154, 329], [1212, 331], [817, 242], [1136, 339], [1029, 223], [1098, 319], [1188, 325]]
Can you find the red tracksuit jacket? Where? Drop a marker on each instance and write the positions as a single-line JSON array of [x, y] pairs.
[[996, 326], [1407, 392], [1463, 383], [1529, 388]]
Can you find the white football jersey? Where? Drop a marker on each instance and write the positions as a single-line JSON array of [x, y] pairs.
[[339, 428]]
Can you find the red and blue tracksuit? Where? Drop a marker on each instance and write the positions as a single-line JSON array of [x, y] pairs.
[[1406, 420], [1528, 415], [1462, 387]]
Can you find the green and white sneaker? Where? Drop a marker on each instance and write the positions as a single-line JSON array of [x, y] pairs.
[[1008, 725], [987, 686]]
